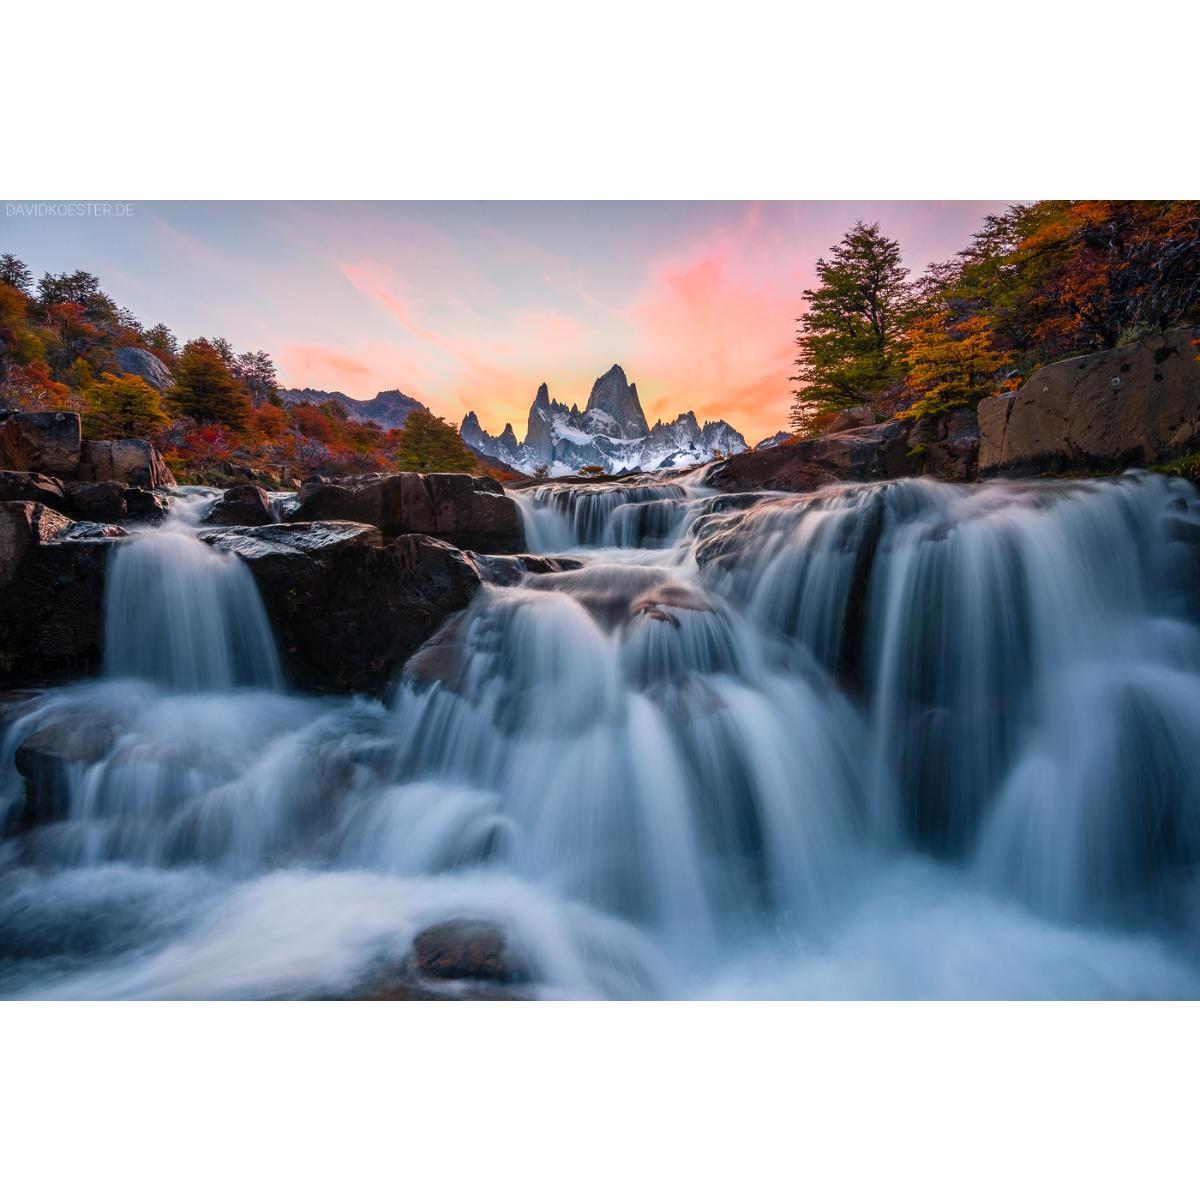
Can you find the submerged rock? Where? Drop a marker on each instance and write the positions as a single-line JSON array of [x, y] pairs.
[[507, 569], [349, 610], [464, 959], [45, 759]]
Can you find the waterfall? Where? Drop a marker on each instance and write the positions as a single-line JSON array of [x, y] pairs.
[[898, 739], [185, 616]]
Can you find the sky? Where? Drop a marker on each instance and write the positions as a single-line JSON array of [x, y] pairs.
[[471, 305]]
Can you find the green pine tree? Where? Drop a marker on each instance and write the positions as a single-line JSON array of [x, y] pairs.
[[850, 338]]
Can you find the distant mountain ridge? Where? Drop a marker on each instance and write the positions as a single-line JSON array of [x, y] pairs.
[[611, 433], [389, 409]]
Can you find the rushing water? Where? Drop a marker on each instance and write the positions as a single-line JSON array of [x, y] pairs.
[[896, 740]]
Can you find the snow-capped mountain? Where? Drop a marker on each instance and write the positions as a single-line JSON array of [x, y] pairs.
[[776, 439], [611, 432]]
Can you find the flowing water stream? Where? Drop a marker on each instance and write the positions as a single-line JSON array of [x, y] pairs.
[[899, 740]]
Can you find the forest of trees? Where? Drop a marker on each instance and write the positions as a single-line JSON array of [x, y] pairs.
[[1038, 282], [224, 416]]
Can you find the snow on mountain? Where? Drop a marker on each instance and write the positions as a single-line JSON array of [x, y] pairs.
[[611, 433], [776, 439]]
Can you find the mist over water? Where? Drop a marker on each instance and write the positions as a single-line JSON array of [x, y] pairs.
[[898, 740]]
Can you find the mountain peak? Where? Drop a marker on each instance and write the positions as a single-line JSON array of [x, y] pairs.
[[611, 433], [613, 394]]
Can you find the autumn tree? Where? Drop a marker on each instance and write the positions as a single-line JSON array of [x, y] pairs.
[[953, 362], [206, 390], [427, 443], [850, 339], [123, 406]]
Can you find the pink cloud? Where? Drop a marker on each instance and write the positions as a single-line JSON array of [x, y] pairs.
[[714, 330]]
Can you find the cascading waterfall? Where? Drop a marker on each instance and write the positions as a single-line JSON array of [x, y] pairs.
[[902, 739]]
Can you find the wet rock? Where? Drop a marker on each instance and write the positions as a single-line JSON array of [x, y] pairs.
[[32, 485], [133, 360], [99, 501], [46, 760], [468, 949], [469, 512], [145, 505], [508, 569], [245, 504], [949, 444], [350, 610], [855, 456], [1137, 405], [114, 503], [48, 442], [132, 461], [52, 573], [466, 959]]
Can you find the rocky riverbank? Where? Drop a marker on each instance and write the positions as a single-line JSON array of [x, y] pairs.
[[362, 571], [1133, 406]]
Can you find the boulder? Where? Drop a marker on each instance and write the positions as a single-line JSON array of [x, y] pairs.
[[52, 573], [133, 360], [99, 501], [508, 569], [145, 505], [468, 949], [112, 502], [470, 512], [48, 442], [859, 455], [466, 959], [853, 418], [349, 609], [950, 444], [244, 504], [1136, 405], [31, 485], [46, 759], [132, 461]]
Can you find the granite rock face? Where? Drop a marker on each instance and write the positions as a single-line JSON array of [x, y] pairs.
[[1136, 405], [133, 360]]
